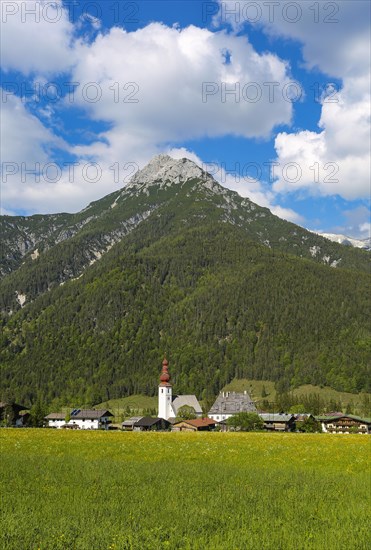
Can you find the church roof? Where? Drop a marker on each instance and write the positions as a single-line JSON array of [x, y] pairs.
[[189, 400], [231, 402]]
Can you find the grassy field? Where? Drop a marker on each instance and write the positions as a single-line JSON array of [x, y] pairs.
[[218, 491], [127, 406]]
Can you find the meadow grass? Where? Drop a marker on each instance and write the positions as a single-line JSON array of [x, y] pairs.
[[136, 403], [147, 491]]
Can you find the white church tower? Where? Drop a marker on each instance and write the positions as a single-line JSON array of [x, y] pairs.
[[165, 393]]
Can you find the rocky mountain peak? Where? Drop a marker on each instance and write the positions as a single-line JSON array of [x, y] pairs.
[[164, 169]]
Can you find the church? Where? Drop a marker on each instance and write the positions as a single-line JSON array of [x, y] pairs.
[[169, 404]]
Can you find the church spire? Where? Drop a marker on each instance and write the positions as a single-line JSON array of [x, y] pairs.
[[165, 376], [165, 391]]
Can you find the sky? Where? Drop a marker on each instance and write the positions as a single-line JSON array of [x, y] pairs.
[[272, 98]]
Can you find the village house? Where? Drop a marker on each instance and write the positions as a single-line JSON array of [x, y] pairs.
[[278, 422], [88, 419], [129, 423], [345, 424], [230, 403], [91, 419], [169, 404], [196, 425], [55, 420]]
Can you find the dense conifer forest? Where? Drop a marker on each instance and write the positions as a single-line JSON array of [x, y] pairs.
[[188, 282]]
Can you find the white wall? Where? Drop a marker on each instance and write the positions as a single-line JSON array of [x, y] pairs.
[[165, 410], [56, 423], [85, 424], [220, 417]]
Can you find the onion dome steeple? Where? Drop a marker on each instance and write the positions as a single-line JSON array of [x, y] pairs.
[[165, 376]]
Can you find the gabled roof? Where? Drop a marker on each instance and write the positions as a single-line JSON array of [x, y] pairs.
[[148, 421], [231, 402], [91, 414], [188, 400], [199, 422], [131, 421], [55, 416], [275, 417], [327, 418]]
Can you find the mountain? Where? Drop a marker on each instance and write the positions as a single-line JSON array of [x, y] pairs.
[[174, 263], [348, 241]]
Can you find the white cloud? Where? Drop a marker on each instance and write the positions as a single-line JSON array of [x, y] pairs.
[[27, 149], [169, 69], [37, 36], [23, 136], [333, 34], [336, 40], [335, 161]]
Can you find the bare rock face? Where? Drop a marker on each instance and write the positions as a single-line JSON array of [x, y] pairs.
[[167, 170]]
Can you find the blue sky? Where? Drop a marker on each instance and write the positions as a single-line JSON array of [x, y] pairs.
[[273, 98]]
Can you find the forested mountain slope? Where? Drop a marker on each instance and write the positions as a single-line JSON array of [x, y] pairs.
[[176, 264]]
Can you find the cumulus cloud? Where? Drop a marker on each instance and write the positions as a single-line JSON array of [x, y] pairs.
[[175, 84], [27, 152], [333, 34], [24, 137], [37, 37], [336, 159], [153, 87]]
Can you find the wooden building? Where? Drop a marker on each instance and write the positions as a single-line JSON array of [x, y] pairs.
[[278, 422], [345, 424], [128, 424], [147, 423], [196, 425]]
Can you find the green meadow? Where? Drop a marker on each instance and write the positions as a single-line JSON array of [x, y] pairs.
[[66, 490]]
